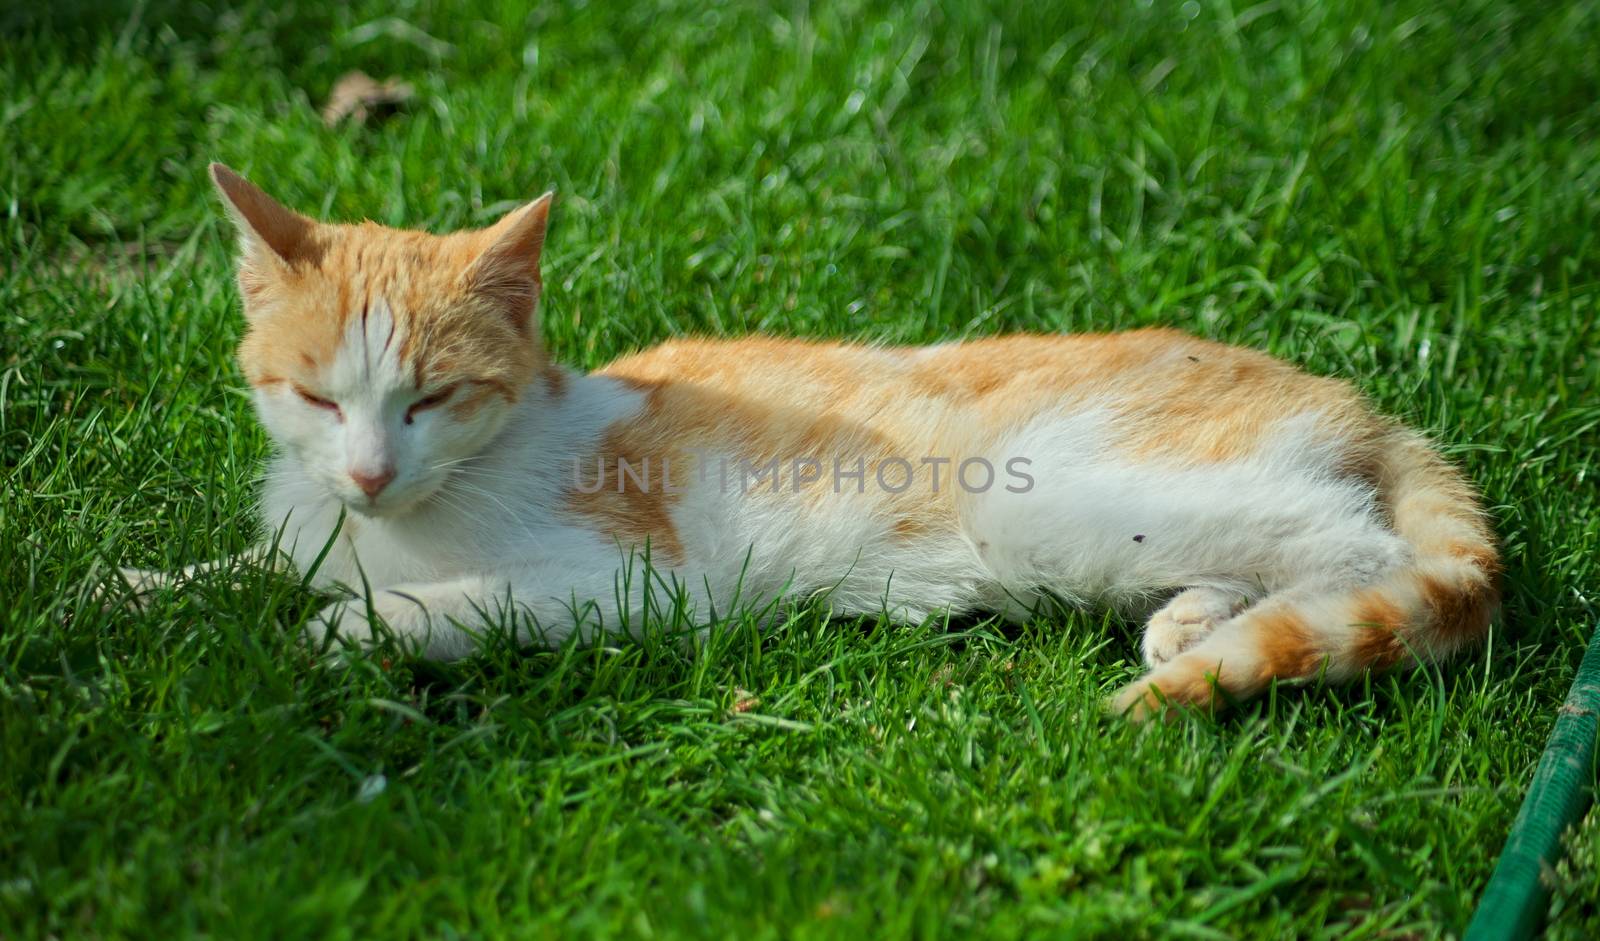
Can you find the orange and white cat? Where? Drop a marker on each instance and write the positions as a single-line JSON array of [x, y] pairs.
[[1275, 526]]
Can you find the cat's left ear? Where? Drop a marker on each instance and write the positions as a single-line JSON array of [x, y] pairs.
[[268, 232], [506, 264]]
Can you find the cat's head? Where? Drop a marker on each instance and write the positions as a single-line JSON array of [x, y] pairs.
[[381, 358]]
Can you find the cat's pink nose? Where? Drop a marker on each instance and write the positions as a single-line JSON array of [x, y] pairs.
[[372, 484]]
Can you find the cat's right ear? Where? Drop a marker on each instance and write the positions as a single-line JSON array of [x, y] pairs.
[[267, 230]]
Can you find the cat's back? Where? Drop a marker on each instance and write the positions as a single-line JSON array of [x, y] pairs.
[[1156, 371], [967, 368]]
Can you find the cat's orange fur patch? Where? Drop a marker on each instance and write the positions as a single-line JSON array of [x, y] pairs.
[[1287, 647], [1460, 610], [632, 496], [1377, 620]]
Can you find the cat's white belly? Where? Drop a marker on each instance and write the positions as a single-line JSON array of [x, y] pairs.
[[1089, 527], [1099, 527]]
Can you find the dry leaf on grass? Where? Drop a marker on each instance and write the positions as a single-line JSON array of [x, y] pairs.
[[358, 96]]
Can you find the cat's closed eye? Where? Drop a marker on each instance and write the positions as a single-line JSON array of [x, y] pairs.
[[429, 401], [319, 402]]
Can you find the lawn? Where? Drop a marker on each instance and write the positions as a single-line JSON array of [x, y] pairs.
[[1403, 194]]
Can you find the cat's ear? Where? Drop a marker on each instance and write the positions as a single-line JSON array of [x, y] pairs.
[[511, 247], [267, 230], [505, 262]]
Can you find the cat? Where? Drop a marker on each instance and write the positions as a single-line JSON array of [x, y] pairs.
[[1266, 523]]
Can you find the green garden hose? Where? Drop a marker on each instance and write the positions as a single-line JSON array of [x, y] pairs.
[[1515, 899]]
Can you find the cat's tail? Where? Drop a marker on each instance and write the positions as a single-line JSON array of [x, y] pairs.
[[1437, 603]]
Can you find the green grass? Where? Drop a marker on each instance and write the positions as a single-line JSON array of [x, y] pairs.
[[1404, 194]]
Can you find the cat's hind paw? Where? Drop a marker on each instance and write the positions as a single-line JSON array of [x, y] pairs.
[[1185, 621]]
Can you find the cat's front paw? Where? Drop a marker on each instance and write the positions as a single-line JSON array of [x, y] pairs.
[[418, 619], [341, 624], [131, 589]]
